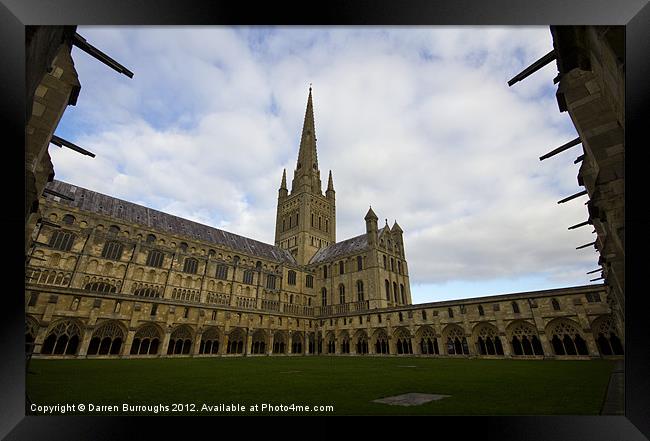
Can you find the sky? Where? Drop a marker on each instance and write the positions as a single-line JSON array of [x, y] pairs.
[[418, 122]]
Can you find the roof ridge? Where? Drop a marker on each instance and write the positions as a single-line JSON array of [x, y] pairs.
[[226, 233]]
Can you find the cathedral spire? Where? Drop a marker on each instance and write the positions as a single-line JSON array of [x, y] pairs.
[[283, 185], [307, 170], [330, 183]]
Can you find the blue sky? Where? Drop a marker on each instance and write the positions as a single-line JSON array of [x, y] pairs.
[[417, 121]]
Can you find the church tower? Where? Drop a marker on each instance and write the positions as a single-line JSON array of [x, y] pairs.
[[306, 218]]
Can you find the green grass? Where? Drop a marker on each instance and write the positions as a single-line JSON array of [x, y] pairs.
[[477, 387]]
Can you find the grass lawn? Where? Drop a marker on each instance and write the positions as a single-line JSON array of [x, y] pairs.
[[477, 387]]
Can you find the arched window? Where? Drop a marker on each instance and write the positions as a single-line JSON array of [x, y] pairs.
[[248, 277], [62, 240], [325, 272], [209, 342], [387, 286], [392, 264], [113, 230], [395, 293], [399, 267], [155, 258], [515, 307], [481, 311], [68, 219], [151, 238], [112, 250], [107, 339], [146, 292], [100, 287], [359, 263], [146, 340], [324, 296], [556, 304], [180, 341], [402, 293], [360, 290], [183, 247], [270, 281], [341, 294], [385, 266], [191, 265], [341, 267], [222, 272], [309, 281], [291, 277], [62, 339]]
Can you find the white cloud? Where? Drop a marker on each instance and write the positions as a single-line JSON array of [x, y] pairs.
[[418, 122]]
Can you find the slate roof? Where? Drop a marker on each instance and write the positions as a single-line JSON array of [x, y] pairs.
[[88, 200], [350, 246]]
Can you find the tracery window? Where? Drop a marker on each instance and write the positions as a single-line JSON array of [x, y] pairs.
[[191, 265], [222, 272], [62, 240], [360, 290], [291, 277], [155, 258], [248, 277], [112, 250]]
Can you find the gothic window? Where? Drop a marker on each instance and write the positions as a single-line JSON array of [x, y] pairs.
[[113, 230], [248, 277], [209, 342], [112, 250], [270, 281], [325, 272], [399, 267], [146, 292], [183, 247], [395, 293], [62, 240], [68, 219], [291, 277], [450, 312], [319, 223], [180, 341], [75, 304], [341, 294], [154, 309], [387, 286], [100, 287], [385, 266], [107, 339], [401, 317], [291, 299], [515, 307], [359, 263], [324, 296], [186, 312], [392, 264], [327, 226], [312, 219], [63, 339], [151, 238], [190, 265], [360, 290], [403, 294], [341, 267], [222, 272], [424, 314], [481, 311], [309, 281], [155, 258], [556, 304], [146, 340]]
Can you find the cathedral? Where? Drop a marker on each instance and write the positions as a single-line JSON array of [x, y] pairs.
[[107, 278]]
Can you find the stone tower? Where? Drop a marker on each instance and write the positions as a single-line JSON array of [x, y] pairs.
[[306, 219]]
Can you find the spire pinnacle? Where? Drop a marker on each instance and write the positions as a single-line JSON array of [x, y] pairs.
[[330, 183], [371, 215], [283, 186], [307, 172]]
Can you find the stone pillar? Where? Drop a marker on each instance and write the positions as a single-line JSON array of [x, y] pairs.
[[591, 344], [38, 341], [165, 342], [546, 344], [85, 341], [223, 348], [248, 347], [288, 346], [506, 344], [128, 342], [196, 347], [269, 350]]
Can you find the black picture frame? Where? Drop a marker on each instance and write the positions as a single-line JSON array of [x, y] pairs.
[[634, 14]]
